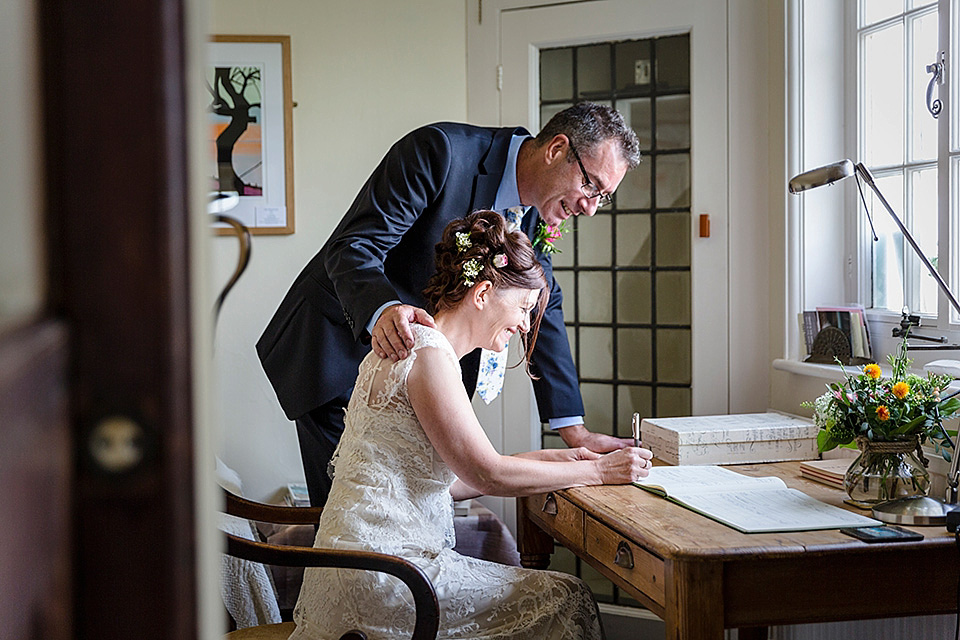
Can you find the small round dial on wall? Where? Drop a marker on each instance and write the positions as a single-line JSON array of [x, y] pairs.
[[830, 343]]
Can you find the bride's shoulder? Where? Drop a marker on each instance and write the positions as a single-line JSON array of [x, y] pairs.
[[431, 343], [424, 336]]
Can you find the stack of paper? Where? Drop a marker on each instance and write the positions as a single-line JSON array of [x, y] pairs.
[[829, 472]]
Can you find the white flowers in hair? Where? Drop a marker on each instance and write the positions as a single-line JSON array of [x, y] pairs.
[[471, 268], [500, 260], [463, 241]]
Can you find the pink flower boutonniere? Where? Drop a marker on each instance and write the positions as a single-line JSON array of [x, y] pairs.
[[547, 234]]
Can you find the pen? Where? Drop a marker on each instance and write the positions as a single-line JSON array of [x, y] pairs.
[[635, 425]]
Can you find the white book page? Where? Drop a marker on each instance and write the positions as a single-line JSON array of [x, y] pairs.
[[772, 510], [697, 479]]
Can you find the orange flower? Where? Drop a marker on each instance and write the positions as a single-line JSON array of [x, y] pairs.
[[883, 414], [900, 390], [873, 370]]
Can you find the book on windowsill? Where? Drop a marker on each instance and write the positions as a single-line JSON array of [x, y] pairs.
[[829, 472], [748, 504]]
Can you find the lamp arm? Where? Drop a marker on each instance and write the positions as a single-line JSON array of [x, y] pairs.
[[868, 178]]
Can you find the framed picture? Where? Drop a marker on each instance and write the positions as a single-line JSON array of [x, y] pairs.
[[251, 132]]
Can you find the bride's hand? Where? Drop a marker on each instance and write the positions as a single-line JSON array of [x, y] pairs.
[[625, 465]]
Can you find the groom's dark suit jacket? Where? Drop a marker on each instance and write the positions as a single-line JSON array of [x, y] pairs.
[[382, 250]]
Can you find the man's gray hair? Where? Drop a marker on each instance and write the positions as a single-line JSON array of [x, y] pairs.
[[587, 125]]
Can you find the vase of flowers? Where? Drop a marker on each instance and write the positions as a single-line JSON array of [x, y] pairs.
[[887, 419]]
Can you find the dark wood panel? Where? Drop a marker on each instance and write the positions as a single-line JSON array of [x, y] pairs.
[[35, 474], [114, 82]]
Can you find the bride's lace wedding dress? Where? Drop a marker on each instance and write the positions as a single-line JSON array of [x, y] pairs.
[[391, 494]]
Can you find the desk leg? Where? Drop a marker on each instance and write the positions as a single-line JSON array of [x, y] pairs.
[[752, 633], [535, 546], [694, 592]]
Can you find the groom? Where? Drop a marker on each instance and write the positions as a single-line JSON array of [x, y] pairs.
[[363, 288]]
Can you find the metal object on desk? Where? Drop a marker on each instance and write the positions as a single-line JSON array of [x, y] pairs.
[[923, 511]]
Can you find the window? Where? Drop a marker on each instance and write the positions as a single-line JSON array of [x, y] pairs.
[[907, 151]]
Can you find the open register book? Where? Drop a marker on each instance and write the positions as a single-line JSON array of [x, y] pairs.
[[750, 505]]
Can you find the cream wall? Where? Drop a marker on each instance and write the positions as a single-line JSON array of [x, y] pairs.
[[21, 277], [364, 73]]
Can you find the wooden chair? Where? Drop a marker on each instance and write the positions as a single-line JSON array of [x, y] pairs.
[[424, 595]]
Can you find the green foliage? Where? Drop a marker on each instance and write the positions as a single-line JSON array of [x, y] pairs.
[[884, 410]]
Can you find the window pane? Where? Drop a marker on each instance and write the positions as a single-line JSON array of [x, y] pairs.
[[634, 355], [598, 405], [673, 355], [673, 402], [673, 181], [673, 240], [556, 74], [595, 299], [673, 63], [633, 239], [634, 189], [633, 297], [564, 255], [954, 217], [547, 111], [596, 355], [637, 115], [883, 100], [593, 241], [673, 297], [633, 66], [593, 71], [565, 280], [673, 122], [888, 249], [923, 226], [634, 399], [925, 51], [877, 10]]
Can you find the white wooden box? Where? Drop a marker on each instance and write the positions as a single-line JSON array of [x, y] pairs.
[[730, 439]]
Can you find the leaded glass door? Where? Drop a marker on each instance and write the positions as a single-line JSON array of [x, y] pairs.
[[644, 294]]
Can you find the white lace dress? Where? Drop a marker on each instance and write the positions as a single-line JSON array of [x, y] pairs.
[[391, 494]]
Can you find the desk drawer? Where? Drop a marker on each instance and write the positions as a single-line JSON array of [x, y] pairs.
[[634, 564], [560, 517]]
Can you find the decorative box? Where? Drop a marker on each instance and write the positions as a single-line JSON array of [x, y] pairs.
[[730, 439]]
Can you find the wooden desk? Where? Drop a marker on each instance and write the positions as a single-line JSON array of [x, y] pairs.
[[701, 576]]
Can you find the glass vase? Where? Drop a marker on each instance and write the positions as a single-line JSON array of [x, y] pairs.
[[886, 471]]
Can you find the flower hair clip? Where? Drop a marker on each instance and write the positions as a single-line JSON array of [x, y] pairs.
[[471, 268], [463, 241], [500, 260]]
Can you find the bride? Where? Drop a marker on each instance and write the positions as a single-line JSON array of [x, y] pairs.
[[412, 445]]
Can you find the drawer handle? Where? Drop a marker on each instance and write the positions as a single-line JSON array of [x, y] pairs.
[[550, 505], [624, 557]]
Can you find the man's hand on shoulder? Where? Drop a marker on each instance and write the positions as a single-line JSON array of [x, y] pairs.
[[579, 436], [391, 336]]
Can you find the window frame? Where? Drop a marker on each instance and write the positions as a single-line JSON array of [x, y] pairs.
[[945, 322]]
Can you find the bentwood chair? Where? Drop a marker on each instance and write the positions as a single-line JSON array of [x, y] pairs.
[[424, 595]]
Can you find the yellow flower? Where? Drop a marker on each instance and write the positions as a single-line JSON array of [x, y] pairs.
[[883, 414], [872, 370], [900, 390]]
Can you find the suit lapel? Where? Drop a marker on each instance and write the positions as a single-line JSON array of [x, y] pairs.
[[490, 172]]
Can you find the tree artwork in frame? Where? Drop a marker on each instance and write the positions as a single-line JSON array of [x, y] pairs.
[[250, 132]]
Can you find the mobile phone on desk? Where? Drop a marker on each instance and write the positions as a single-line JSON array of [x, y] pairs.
[[882, 533]]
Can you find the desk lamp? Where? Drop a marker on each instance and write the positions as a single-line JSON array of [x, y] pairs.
[[918, 510]]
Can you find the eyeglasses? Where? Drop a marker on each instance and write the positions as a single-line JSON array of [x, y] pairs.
[[588, 188]]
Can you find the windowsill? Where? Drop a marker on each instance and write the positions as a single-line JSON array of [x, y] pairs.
[[833, 372]]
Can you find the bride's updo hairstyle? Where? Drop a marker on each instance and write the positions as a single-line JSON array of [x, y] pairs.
[[477, 248]]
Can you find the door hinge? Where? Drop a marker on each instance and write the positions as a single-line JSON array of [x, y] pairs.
[[499, 77]]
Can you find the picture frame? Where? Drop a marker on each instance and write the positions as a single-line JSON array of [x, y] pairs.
[[250, 139]]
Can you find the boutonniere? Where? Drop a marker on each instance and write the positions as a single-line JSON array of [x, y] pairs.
[[547, 234]]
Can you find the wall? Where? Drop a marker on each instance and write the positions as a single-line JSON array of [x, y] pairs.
[[364, 73], [21, 279]]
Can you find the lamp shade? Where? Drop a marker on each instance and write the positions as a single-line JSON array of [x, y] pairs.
[[820, 176]]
